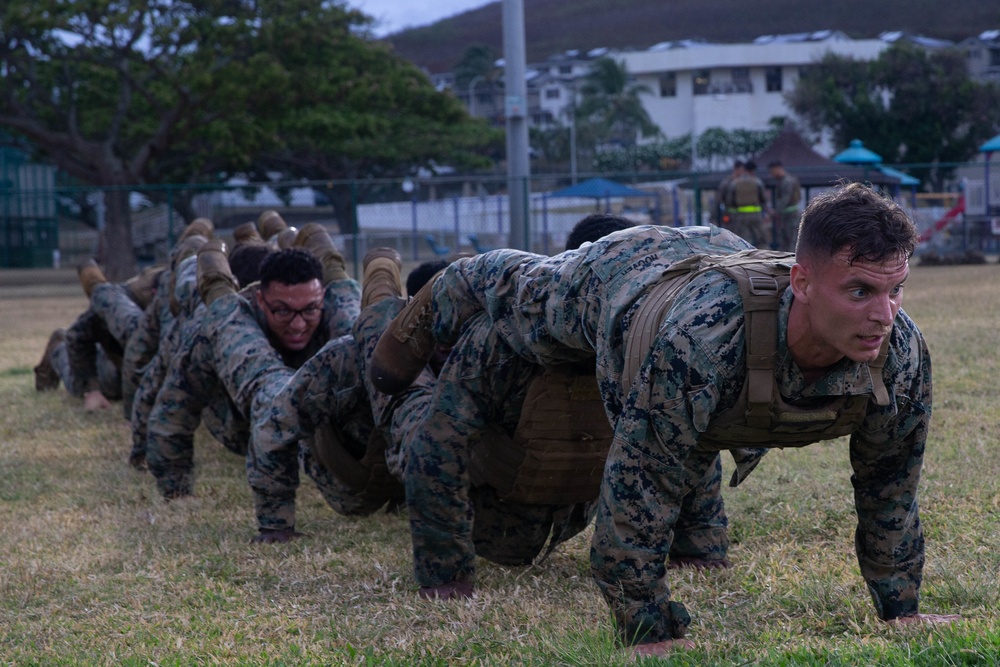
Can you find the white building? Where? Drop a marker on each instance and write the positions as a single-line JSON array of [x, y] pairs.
[[983, 53], [696, 86]]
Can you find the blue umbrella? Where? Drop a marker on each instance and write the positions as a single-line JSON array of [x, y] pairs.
[[857, 154], [989, 148]]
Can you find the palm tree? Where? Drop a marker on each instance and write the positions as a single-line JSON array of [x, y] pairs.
[[610, 103]]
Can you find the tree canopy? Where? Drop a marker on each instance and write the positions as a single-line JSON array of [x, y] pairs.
[[611, 106], [910, 105], [123, 94]]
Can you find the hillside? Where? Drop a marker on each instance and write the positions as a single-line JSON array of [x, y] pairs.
[[553, 26]]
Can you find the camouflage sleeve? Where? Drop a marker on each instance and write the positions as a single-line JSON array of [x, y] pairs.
[[342, 304], [188, 385], [654, 461], [328, 386], [81, 348], [887, 456], [245, 362]]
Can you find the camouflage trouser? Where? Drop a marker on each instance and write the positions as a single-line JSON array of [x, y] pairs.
[[435, 425], [342, 304], [115, 306], [107, 372], [93, 358], [749, 226]]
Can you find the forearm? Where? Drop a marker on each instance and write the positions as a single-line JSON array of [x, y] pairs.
[[274, 479], [889, 539]]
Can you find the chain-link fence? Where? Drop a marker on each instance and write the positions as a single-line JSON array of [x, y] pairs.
[[426, 218]]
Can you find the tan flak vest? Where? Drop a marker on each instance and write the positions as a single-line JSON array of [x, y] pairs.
[[760, 417], [556, 455], [746, 193]]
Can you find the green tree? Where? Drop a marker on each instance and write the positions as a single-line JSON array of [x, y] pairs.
[[610, 104], [135, 93], [910, 105]]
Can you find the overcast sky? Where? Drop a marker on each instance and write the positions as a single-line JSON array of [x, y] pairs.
[[394, 15]]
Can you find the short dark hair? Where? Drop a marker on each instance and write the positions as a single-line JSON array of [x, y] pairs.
[[738, 163], [855, 216], [750, 165], [291, 266], [419, 276], [775, 163], [593, 227], [245, 260]]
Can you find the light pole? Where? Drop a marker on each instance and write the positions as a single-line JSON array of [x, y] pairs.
[[472, 93], [572, 134]]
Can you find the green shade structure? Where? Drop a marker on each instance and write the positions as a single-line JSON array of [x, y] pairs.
[[856, 153]]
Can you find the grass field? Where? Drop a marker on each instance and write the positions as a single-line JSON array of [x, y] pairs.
[[96, 569]]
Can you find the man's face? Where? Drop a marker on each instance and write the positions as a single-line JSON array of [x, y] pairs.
[[292, 311], [845, 310]]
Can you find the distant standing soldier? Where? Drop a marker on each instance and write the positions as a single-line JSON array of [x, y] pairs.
[[745, 202], [724, 214], [787, 195]]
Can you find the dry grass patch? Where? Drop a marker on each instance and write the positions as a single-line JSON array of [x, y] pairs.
[[96, 569]]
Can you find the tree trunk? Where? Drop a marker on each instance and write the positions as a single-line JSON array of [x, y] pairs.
[[117, 255]]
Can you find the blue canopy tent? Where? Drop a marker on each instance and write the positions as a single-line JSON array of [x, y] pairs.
[[599, 188]]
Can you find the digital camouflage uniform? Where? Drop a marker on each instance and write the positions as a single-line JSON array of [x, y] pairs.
[[551, 309], [430, 427], [481, 386], [220, 368], [287, 412]]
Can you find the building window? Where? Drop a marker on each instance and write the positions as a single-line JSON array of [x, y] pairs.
[[772, 75], [994, 57], [565, 69], [668, 84], [701, 80], [552, 93], [741, 80]]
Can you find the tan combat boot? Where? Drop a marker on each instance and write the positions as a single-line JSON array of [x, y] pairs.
[[198, 227], [314, 238], [215, 279], [90, 276], [46, 377], [270, 223], [286, 238], [407, 344], [380, 278], [143, 286], [246, 233]]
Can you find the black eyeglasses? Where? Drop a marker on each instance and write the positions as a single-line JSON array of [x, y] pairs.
[[283, 314]]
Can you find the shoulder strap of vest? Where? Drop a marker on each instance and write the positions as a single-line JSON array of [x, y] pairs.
[[649, 316], [762, 278]]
